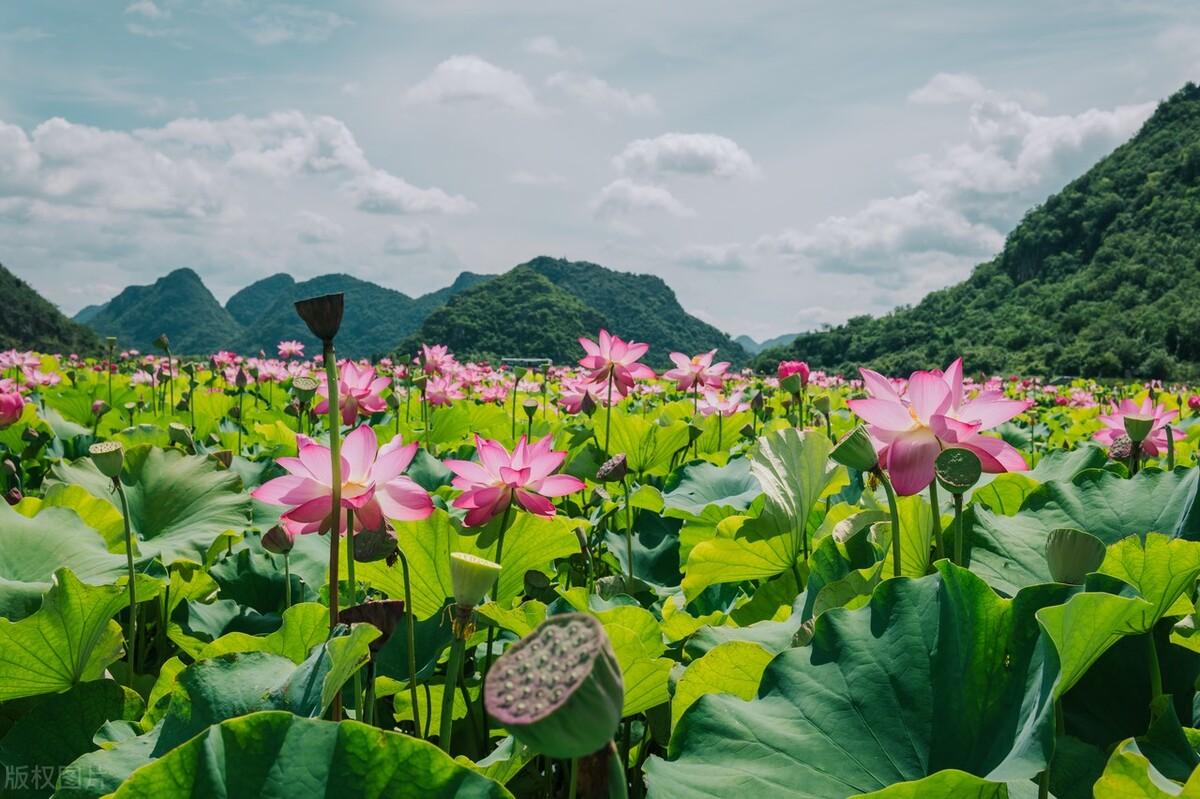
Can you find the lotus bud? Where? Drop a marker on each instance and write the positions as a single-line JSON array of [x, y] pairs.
[[13, 495], [1073, 554], [472, 577], [957, 469], [235, 413], [99, 408], [241, 379], [278, 540], [181, 436], [162, 342], [382, 614], [1138, 427], [109, 457], [1121, 448], [323, 314], [856, 451], [559, 690], [757, 402], [587, 404], [821, 403], [530, 406], [305, 387], [372, 545], [613, 470]]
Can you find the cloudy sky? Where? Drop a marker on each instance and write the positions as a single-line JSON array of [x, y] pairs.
[[780, 164]]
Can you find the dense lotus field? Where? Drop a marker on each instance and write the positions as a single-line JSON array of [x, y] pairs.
[[591, 580]]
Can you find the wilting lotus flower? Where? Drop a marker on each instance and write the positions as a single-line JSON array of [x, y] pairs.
[[373, 485], [699, 371], [12, 405], [443, 391], [911, 428], [1155, 443], [728, 406], [615, 359], [359, 390], [291, 349], [490, 484]]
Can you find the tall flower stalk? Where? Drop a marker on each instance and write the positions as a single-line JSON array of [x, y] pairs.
[[109, 458]]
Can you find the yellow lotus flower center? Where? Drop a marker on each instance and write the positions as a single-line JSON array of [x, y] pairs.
[[350, 490]]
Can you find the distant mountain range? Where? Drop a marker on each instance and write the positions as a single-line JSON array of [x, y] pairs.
[[28, 321], [537, 309], [754, 347], [1102, 280]]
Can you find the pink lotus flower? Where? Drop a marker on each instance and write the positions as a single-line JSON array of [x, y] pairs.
[[728, 406], [576, 392], [490, 484], [12, 405], [789, 368], [615, 359], [1114, 424], [699, 371], [291, 349], [436, 359], [1194, 402], [443, 391], [911, 428], [358, 392], [373, 485]]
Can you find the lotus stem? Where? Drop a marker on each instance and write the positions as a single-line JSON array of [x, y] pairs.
[[936, 511], [287, 582], [1170, 449], [412, 642], [1135, 458], [628, 529], [453, 667], [616, 775], [487, 662], [513, 427], [960, 534], [895, 516], [1156, 688], [131, 633], [573, 789], [352, 587], [335, 463]]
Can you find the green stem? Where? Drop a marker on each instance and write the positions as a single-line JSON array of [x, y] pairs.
[[1170, 449], [616, 775], [628, 529], [895, 516], [1156, 689], [335, 463], [960, 534], [287, 582], [574, 786], [1135, 458], [412, 643], [607, 413], [352, 588], [454, 665], [491, 636], [241, 397], [131, 633], [935, 506]]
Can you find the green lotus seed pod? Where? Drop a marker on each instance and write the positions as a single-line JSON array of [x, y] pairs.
[[1138, 427], [856, 451], [472, 577], [957, 469], [791, 384], [109, 457], [559, 690], [180, 435], [305, 388], [1073, 554], [821, 403]]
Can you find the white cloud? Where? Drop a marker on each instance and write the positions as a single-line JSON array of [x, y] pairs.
[[314, 228], [549, 46], [379, 192], [408, 240], [25, 33], [524, 178], [463, 79], [147, 9], [282, 23], [601, 97], [623, 197], [713, 257], [966, 198], [700, 154]]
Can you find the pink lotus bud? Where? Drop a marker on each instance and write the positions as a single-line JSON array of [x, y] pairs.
[[11, 407], [788, 368]]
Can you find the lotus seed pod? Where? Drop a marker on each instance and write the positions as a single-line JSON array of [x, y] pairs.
[[530, 406], [109, 457], [856, 451], [323, 314], [559, 690], [278, 540], [613, 470], [180, 435], [1138, 427], [1121, 448], [472, 577], [791, 384], [957, 469], [822, 404], [757, 402], [1073, 555], [305, 388]]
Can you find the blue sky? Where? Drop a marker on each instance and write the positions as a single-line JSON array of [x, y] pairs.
[[780, 165]]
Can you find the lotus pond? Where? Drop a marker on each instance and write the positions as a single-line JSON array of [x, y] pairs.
[[493, 580]]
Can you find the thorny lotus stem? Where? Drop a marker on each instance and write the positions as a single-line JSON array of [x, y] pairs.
[[895, 516], [131, 633], [412, 644], [935, 507], [628, 530], [607, 415]]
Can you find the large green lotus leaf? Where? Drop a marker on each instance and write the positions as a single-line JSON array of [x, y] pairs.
[[794, 470], [948, 784], [58, 728], [255, 578], [71, 639], [701, 484], [649, 447], [638, 644], [655, 549], [1129, 774], [33, 547], [457, 424], [178, 504], [530, 543], [304, 626], [1010, 551], [1064, 465], [1161, 568], [733, 668], [210, 691], [504, 762], [935, 673], [99, 514], [431, 637], [276, 755]]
